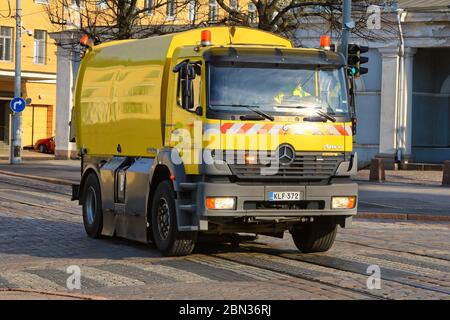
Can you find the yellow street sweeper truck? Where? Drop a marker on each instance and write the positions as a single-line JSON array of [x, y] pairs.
[[215, 131]]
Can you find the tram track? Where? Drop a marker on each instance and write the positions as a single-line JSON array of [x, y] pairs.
[[14, 181], [392, 250], [37, 205], [341, 269], [307, 278]]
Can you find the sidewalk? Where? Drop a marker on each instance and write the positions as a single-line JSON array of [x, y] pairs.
[[415, 195], [404, 195], [27, 154], [432, 178]]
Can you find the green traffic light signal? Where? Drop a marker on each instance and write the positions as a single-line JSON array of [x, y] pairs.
[[351, 71], [354, 60]]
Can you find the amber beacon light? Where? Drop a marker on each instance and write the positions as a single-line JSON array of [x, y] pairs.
[[325, 42], [206, 38], [85, 41]]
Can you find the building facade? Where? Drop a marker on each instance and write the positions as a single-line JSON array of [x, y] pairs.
[[38, 71]]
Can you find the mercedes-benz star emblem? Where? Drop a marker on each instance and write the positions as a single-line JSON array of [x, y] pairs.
[[286, 154]]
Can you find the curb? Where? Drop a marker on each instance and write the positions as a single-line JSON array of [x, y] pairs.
[[402, 216], [45, 179]]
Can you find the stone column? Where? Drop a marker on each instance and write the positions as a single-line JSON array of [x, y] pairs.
[[405, 120], [67, 65], [388, 114]]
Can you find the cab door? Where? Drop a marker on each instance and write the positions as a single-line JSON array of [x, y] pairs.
[[184, 125]]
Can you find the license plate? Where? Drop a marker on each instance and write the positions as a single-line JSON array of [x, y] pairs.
[[284, 195]]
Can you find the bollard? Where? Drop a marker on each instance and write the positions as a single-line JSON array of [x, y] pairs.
[[377, 170], [446, 173]]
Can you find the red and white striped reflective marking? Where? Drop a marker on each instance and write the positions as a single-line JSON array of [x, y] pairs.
[[296, 129]]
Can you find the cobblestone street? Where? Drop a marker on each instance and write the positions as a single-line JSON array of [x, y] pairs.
[[41, 235]]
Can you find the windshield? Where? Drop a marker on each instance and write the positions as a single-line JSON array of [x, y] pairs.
[[277, 90]]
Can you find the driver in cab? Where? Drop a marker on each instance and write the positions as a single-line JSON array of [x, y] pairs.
[[301, 90]]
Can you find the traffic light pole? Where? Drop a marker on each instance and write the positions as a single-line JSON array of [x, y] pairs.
[[16, 123], [347, 25]]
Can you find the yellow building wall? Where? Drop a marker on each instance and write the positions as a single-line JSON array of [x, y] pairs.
[[38, 120], [34, 17]]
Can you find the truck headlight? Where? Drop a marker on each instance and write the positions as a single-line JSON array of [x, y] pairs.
[[218, 203], [343, 202]]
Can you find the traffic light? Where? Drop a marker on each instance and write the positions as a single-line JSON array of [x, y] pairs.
[[355, 59]]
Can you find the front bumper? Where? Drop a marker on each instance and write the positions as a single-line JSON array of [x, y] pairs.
[[260, 193]]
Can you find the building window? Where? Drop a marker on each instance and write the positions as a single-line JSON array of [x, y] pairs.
[[149, 7], [171, 9], [6, 37], [41, 1], [78, 3], [234, 5], [251, 13], [192, 10], [213, 14], [101, 4], [40, 46]]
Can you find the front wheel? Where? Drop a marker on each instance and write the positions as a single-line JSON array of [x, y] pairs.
[[317, 236], [168, 240]]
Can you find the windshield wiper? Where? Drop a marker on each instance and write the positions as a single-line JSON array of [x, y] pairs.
[[318, 111], [249, 107]]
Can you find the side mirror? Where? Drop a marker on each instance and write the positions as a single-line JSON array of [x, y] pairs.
[[199, 111], [180, 65], [197, 69], [187, 72]]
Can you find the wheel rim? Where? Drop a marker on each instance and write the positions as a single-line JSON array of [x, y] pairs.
[[91, 205], [163, 218], [42, 148]]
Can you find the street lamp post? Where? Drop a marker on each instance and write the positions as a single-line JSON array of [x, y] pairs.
[[16, 123], [347, 25]]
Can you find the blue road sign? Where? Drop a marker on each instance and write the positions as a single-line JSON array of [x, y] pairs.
[[17, 104]]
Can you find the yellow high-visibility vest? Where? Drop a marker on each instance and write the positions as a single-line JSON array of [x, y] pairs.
[[298, 92]]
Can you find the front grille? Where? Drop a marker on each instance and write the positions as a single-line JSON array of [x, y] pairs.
[[306, 166]]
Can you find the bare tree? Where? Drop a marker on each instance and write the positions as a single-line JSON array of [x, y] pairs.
[[106, 20], [287, 17]]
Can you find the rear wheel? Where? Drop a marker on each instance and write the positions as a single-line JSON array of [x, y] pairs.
[[92, 207], [317, 236], [168, 240]]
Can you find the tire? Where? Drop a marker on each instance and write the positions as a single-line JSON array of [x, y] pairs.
[[315, 237], [42, 148], [92, 207], [168, 240]]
